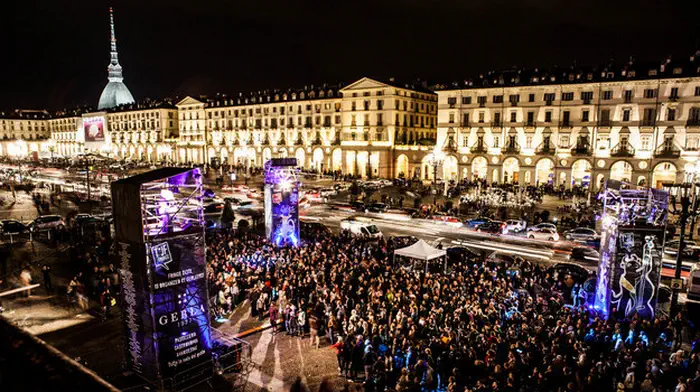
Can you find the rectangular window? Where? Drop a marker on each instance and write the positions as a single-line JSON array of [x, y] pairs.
[[531, 98], [628, 95], [549, 98], [548, 117], [513, 117], [697, 91], [567, 96], [587, 96], [530, 118], [496, 141], [564, 141], [626, 115], [671, 115], [646, 142], [497, 118], [465, 119], [566, 118], [451, 101], [528, 142], [466, 100], [584, 115], [674, 93], [481, 100], [605, 117], [514, 98], [452, 118], [481, 117], [649, 93], [498, 99], [607, 95]]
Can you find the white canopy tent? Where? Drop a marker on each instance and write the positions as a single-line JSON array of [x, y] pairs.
[[421, 251]]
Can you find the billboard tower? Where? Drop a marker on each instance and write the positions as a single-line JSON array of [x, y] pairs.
[[159, 236], [282, 201], [631, 249]]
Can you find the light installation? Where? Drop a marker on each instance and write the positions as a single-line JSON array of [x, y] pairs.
[[633, 229], [159, 233], [282, 201]]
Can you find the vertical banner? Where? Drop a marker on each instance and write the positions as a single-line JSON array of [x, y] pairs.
[[637, 271], [136, 316], [181, 308]]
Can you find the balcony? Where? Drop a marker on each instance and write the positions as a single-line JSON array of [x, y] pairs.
[[693, 122], [566, 124], [647, 122], [511, 148], [545, 149], [530, 124], [622, 150], [299, 141], [496, 124], [478, 148], [667, 150], [581, 149], [317, 140], [605, 123]]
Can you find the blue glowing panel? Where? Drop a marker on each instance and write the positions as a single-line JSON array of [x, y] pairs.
[[282, 202], [180, 302]]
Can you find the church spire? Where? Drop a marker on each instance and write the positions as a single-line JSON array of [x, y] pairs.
[[115, 70]]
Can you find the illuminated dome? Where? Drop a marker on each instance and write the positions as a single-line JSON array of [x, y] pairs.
[[115, 94]]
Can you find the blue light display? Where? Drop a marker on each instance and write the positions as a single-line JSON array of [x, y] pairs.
[[282, 202]]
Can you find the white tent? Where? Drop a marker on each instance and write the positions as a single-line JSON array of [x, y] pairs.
[[421, 251]]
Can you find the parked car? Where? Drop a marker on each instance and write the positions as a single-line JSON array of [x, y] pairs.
[[585, 254], [358, 206], [47, 222], [515, 226], [377, 207], [12, 227], [543, 226], [543, 234], [475, 222], [582, 234], [358, 228], [493, 227]]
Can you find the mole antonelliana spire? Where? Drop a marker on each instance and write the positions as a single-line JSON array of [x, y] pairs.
[[115, 92]]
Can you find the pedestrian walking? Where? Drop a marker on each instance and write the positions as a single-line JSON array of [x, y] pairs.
[[274, 315], [46, 272]]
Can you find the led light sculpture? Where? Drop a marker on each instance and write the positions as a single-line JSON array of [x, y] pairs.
[[282, 201]]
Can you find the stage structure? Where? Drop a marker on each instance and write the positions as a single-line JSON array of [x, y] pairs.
[[159, 238], [282, 201], [631, 249]]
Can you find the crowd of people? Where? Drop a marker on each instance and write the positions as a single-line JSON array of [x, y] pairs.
[[481, 327]]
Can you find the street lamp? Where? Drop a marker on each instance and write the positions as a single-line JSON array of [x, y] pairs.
[[683, 192]]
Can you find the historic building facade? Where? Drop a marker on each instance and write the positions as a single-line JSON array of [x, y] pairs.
[[640, 125]]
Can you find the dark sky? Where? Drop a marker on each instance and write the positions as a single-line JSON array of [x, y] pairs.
[[58, 51]]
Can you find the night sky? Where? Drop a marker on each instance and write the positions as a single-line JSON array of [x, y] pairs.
[[58, 51]]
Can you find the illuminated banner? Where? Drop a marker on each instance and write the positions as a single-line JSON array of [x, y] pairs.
[[94, 129], [631, 249], [181, 310], [637, 273], [282, 201]]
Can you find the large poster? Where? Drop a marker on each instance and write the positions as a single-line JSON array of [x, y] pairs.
[[282, 202], [637, 271], [94, 129], [181, 309]]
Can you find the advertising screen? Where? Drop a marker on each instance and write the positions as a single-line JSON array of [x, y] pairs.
[[181, 311], [94, 128]]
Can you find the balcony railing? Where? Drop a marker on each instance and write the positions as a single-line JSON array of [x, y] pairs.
[[496, 124], [647, 123], [530, 124], [622, 150], [581, 149], [693, 122], [511, 148], [605, 123], [478, 148], [667, 150], [545, 149]]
